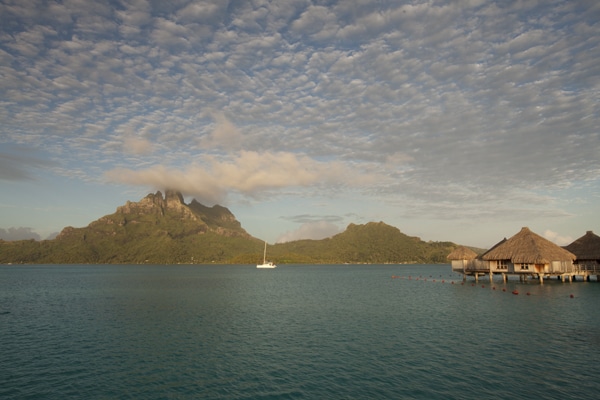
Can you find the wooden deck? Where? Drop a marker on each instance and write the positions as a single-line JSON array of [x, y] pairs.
[[576, 273]]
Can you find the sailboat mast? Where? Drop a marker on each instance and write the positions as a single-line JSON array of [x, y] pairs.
[[265, 254]]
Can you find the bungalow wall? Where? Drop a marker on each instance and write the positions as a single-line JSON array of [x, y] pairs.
[[501, 266], [459, 265], [560, 267], [587, 266], [470, 266], [507, 267]]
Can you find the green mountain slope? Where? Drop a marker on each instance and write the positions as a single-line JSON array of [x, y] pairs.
[[369, 243], [154, 230], [165, 230]]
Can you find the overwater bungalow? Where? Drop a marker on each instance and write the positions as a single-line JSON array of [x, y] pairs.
[[465, 261], [461, 258], [526, 254], [587, 251]]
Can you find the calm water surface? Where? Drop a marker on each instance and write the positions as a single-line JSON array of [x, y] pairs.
[[305, 332]]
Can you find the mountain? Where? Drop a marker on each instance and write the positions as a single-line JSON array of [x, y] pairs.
[[374, 242], [156, 229], [166, 230]]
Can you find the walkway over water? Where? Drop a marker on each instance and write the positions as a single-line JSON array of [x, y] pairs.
[[576, 272]]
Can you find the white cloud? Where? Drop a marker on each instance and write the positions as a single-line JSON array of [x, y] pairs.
[[310, 230], [225, 135], [249, 173], [557, 238], [137, 145]]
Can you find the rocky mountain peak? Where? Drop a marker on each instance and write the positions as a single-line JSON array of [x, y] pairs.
[[216, 218], [155, 203], [173, 199]]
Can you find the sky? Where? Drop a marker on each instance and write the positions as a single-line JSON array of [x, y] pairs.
[[456, 121]]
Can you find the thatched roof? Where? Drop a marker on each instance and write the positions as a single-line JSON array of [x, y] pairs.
[[492, 248], [530, 248], [462, 253], [586, 247]]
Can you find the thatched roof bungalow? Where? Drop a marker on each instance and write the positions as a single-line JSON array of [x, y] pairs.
[[587, 251], [461, 258], [462, 253], [529, 253]]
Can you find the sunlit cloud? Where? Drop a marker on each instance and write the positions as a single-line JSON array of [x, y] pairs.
[[137, 145], [249, 173], [557, 238]]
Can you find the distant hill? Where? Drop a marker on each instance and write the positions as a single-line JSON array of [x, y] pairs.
[[165, 230], [374, 242]]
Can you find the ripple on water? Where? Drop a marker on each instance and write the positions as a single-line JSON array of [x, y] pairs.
[[298, 332]]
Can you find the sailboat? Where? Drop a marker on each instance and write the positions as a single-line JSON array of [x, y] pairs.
[[266, 264]]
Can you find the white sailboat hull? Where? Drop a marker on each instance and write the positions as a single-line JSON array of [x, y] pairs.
[[269, 265], [266, 264]]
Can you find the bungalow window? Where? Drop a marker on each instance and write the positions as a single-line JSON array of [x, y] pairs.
[[524, 266], [503, 264]]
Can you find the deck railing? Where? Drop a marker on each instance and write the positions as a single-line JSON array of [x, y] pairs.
[[557, 267]]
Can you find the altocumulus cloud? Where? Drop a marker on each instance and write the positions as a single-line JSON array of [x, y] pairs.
[[249, 173], [454, 111]]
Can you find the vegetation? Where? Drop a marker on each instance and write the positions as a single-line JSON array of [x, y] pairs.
[[166, 231]]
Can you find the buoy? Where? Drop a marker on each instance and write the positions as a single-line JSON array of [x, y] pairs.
[[482, 286], [504, 289], [571, 296], [493, 287], [515, 292], [528, 294]]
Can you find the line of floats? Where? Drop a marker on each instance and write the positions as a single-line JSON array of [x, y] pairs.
[[431, 279]]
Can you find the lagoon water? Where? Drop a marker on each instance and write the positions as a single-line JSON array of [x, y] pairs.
[[295, 332]]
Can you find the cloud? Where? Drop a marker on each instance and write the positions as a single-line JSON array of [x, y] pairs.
[[21, 233], [309, 218], [20, 163], [310, 230], [249, 173], [137, 145], [225, 135], [557, 238]]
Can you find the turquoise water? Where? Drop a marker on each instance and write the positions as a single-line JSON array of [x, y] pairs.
[[296, 332]]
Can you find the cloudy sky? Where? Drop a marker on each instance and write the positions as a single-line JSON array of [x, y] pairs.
[[451, 120]]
